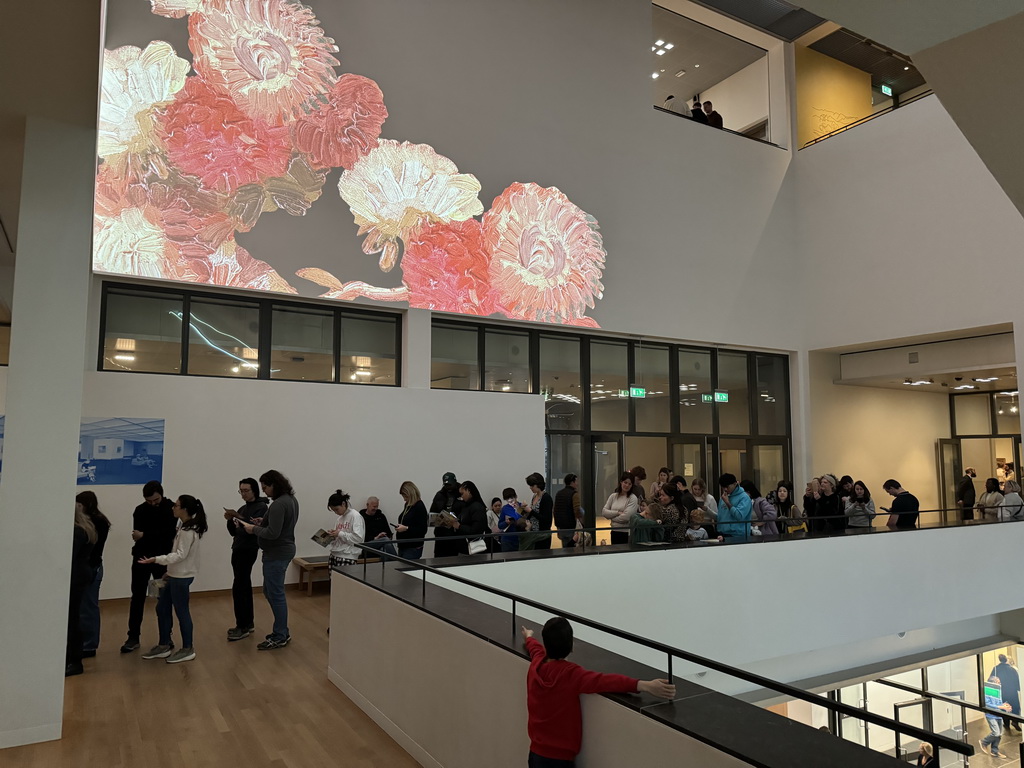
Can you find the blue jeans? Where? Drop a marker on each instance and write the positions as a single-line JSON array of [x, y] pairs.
[[384, 546], [89, 616], [411, 553], [995, 727], [273, 589], [174, 595]]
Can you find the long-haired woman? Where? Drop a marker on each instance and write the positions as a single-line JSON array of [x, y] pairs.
[[412, 522], [90, 613], [620, 508], [81, 548]]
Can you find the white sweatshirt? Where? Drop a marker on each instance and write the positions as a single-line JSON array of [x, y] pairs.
[[349, 531], [619, 509], [183, 562]]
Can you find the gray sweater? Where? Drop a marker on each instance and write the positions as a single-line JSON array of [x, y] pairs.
[[277, 534]]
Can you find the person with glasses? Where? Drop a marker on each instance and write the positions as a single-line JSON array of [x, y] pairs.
[[244, 549], [153, 529]]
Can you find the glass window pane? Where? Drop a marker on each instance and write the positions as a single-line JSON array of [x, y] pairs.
[[455, 358], [506, 361], [564, 456], [302, 345], [653, 413], [973, 414], [142, 332], [1007, 418], [560, 382], [224, 339], [772, 395], [957, 678], [5, 344], [734, 416], [694, 381], [369, 353], [609, 386]]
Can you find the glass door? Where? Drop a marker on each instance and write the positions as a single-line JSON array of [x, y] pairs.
[[768, 464], [950, 720], [606, 466], [917, 713], [690, 457], [850, 728], [950, 472]]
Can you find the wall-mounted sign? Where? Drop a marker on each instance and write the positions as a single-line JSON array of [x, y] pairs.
[[721, 396], [886, 90], [637, 392], [707, 398], [623, 393]]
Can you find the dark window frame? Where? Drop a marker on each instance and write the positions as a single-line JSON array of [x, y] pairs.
[[266, 305]]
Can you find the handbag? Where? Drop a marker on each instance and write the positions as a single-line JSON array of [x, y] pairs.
[[155, 587], [582, 537], [477, 547]]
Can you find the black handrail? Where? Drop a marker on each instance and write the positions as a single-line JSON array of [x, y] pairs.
[[723, 128], [673, 652], [950, 700], [868, 118]]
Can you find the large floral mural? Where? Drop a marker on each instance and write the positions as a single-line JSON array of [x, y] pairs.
[[195, 151]]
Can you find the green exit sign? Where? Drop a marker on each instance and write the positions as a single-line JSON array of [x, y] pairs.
[[721, 396], [637, 392], [707, 398], [886, 90]]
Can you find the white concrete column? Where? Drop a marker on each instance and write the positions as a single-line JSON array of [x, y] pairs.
[[41, 432], [1018, 350], [416, 349], [800, 404]]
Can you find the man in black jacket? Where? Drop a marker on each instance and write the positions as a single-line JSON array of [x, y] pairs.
[[1009, 680], [377, 531], [245, 549], [965, 494], [567, 511], [153, 529], [448, 500]]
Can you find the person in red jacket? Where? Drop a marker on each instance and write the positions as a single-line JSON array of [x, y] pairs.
[[553, 688]]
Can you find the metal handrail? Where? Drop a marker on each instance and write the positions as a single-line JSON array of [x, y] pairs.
[[950, 700], [723, 128], [673, 652]]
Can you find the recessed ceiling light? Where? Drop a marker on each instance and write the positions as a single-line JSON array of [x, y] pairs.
[[966, 386], [986, 380], [125, 358], [659, 41], [654, 75], [660, 52], [669, 46], [1013, 409], [1014, 393], [654, 47], [696, 66], [680, 73], [905, 69]]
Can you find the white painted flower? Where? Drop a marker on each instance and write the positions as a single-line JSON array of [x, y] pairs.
[[175, 9], [271, 56], [129, 244], [134, 81], [397, 186]]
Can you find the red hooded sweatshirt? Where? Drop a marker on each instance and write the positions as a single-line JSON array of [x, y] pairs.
[[553, 689]]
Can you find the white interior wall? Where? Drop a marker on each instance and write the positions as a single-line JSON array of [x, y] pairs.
[[742, 98], [874, 434]]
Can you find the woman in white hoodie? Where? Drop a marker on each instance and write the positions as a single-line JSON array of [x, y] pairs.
[[348, 532], [182, 569]]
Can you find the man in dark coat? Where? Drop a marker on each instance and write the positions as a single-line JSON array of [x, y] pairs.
[[965, 494], [1009, 679]]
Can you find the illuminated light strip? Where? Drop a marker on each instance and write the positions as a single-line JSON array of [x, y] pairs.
[[242, 360]]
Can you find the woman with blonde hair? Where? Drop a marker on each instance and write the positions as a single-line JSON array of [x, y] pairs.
[[699, 491], [85, 538], [412, 522]]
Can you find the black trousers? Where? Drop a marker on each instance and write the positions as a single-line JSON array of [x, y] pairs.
[[140, 579], [242, 561], [73, 651], [620, 536], [544, 542]]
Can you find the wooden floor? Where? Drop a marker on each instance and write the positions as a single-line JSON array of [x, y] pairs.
[[232, 705]]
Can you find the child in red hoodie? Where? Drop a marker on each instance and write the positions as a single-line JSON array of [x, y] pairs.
[[553, 688]]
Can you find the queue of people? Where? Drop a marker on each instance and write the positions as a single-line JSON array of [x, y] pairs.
[[700, 112]]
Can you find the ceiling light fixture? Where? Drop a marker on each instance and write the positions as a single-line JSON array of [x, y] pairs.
[[124, 345], [125, 358], [660, 52], [696, 66], [1013, 409], [250, 354], [680, 73], [966, 386], [918, 382], [659, 41], [1014, 393], [362, 373], [906, 69], [654, 75], [669, 46], [986, 380]]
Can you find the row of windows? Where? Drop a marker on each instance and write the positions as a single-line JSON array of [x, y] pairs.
[[586, 381], [200, 334]]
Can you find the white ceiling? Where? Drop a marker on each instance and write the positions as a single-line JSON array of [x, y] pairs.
[[718, 54]]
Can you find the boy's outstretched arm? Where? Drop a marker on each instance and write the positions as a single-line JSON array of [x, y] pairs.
[[663, 689]]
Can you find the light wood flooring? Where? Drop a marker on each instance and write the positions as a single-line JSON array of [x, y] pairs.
[[231, 706]]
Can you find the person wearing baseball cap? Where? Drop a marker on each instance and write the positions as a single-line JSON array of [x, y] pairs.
[[447, 500]]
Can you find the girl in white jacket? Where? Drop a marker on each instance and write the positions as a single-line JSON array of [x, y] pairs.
[[348, 532], [182, 569]]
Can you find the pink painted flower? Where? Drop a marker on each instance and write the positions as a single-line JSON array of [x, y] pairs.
[[269, 55], [445, 268], [546, 255], [338, 133], [231, 265], [207, 136], [175, 9]]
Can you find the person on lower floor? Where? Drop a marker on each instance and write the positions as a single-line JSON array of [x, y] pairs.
[[566, 511], [153, 530], [473, 517], [244, 551], [620, 508], [377, 529], [541, 507], [493, 515], [1009, 681], [182, 564], [734, 511], [993, 701], [348, 532], [905, 506], [90, 611], [82, 543], [447, 500], [508, 521], [276, 536], [553, 689]]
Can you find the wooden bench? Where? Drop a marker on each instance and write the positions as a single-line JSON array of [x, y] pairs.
[[310, 565]]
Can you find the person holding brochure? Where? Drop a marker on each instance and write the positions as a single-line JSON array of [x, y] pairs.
[[244, 550], [412, 522], [182, 568], [276, 537], [347, 533]]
